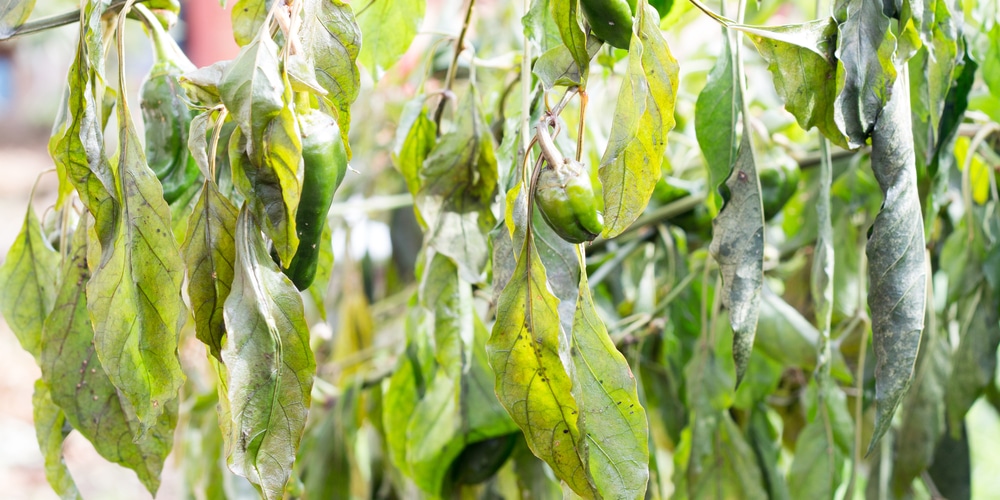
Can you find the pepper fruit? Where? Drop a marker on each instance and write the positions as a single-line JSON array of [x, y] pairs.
[[166, 115], [565, 196], [610, 20], [324, 159], [778, 183]]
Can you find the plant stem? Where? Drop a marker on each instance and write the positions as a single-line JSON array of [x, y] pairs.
[[59, 20], [453, 68]]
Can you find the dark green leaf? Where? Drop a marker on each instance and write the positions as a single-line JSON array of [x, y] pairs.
[[270, 365], [458, 183], [715, 117], [332, 41], [974, 362], [766, 444], [28, 283], [865, 72], [13, 13], [644, 114], [896, 266], [611, 417], [51, 431], [209, 252], [738, 246], [388, 28], [80, 386]]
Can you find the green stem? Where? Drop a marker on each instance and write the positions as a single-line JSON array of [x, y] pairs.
[[60, 20]]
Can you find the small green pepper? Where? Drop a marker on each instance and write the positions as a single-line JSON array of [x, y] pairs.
[[778, 183], [565, 196], [324, 161], [165, 114], [610, 20]]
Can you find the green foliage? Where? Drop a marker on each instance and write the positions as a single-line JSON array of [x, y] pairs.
[[713, 342]]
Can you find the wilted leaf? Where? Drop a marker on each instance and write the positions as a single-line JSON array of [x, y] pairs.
[[865, 72], [567, 18], [28, 283], [896, 266], [644, 114], [715, 117], [531, 382], [738, 246], [51, 431], [611, 417], [332, 41], [209, 252], [458, 182], [923, 421], [79, 385], [252, 88], [387, 29], [270, 365], [415, 138], [557, 66]]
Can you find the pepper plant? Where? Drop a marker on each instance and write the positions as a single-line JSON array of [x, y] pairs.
[[768, 269]]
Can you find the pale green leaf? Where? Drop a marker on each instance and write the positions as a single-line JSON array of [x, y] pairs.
[[79, 385], [332, 41], [896, 264], [714, 461], [450, 303], [865, 72], [716, 114], [51, 431], [28, 283], [415, 138], [738, 246], [209, 252], [277, 183], [270, 365], [134, 296], [247, 18], [991, 62], [784, 335], [406, 387], [458, 183], [388, 29], [823, 446], [557, 65], [567, 18], [252, 88], [611, 417], [13, 13], [434, 434], [531, 382], [644, 114]]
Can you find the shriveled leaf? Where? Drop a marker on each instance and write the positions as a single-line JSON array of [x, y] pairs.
[[458, 181], [134, 296], [198, 141], [865, 72], [51, 431], [896, 266], [80, 386], [800, 58], [531, 382], [202, 84], [738, 246], [13, 13], [209, 252], [715, 116], [388, 29], [28, 283], [332, 41], [644, 114], [252, 88], [611, 417], [247, 18], [270, 365]]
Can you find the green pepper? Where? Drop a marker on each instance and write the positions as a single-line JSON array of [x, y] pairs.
[[778, 182], [610, 20], [324, 161], [166, 115], [565, 196]]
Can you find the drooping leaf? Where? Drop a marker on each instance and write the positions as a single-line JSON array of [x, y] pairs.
[[80, 386], [13, 13], [388, 29], [896, 265], [974, 362], [715, 117], [51, 431], [865, 72], [784, 335], [434, 434], [277, 183], [531, 382], [611, 418], [766, 443], [738, 246], [557, 65], [406, 387], [28, 283], [332, 40], [458, 181], [713, 460], [252, 88], [209, 252], [644, 114], [247, 18], [800, 58], [567, 18], [823, 445], [270, 365], [415, 138]]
